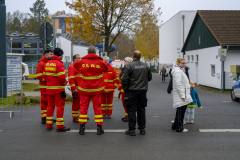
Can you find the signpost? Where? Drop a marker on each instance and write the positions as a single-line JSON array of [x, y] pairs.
[[222, 53], [103, 54], [3, 70]]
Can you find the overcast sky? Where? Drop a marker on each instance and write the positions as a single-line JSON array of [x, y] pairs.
[[169, 7]]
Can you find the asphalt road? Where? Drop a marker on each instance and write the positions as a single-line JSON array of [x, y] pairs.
[[22, 137]]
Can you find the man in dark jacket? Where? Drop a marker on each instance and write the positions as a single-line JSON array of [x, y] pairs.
[[135, 85], [163, 71]]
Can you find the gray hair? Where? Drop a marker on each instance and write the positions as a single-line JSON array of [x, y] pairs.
[[128, 59], [106, 59], [92, 49]]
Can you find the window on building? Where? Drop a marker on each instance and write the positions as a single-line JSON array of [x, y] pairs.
[[28, 58], [30, 51], [196, 58], [15, 51], [15, 45], [192, 58], [30, 45], [62, 25], [213, 70], [41, 45], [188, 58]]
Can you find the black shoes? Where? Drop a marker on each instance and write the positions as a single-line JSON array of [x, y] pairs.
[[63, 129], [43, 121], [130, 132], [49, 129], [142, 131], [99, 130], [75, 120], [82, 129], [125, 119]]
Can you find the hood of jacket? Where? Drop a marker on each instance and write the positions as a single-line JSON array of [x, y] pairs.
[[91, 56], [44, 59], [54, 57]]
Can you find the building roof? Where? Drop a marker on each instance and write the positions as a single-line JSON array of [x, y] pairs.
[[223, 24]]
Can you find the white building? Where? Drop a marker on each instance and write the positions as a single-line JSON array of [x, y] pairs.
[[172, 35], [70, 49], [210, 31]]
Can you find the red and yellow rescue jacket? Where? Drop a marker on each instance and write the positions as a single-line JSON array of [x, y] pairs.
[[55, 76], [111, 80], [91, 80], [40, 76], [121, 86], [73, 77]]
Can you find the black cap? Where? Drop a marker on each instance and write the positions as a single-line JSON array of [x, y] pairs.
[[58, 52]]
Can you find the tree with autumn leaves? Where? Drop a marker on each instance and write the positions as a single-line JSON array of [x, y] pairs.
[[95, 19], [147, 37]]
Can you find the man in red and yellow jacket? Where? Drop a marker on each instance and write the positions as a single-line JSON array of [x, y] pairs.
[[56, 81], [91, 86], [111, 82], [73, 78], [42, 83], [127, 61]]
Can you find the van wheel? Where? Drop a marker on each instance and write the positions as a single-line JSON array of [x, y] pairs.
[[233, 96]]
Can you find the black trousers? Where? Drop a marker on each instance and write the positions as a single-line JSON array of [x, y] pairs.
[[163, 77], [136, 101], [178, 122]]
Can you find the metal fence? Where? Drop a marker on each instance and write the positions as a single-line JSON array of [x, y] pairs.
[[229, 79], [154, 68], [12, 102]]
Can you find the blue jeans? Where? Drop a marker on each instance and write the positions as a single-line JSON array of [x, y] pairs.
[[190, 113]]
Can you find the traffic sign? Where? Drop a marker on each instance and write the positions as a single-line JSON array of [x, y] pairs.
[[46, 33], [222, 53], [104, 54]]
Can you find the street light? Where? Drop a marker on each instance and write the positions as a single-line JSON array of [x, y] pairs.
[[11, 39], [103, 42]]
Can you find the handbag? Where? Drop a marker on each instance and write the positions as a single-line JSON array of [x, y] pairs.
[[166, 74]]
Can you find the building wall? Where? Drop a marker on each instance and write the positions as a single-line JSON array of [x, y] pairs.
[[233, 58], [200, 71], [200, 36], [66, 46], [81, 50], [56, 25], [171, 36]]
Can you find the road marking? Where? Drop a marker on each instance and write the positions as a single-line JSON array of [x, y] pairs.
[[105, 130], [219, 130], [226, 101]]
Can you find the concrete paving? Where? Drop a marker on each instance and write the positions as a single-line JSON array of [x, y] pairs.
[[23, 137]]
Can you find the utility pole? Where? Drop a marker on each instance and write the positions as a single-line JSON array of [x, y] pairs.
[[3, 54]]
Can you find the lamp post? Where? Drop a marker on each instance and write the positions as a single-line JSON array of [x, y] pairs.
[[11, 39], [103, 44]]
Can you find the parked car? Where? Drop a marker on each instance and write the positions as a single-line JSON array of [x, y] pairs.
[[235, 94]]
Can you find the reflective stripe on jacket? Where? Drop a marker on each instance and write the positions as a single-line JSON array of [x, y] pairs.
[[73, 77], [91, 80], [111, 80], [40, 75], [55, 76], [120, 86]]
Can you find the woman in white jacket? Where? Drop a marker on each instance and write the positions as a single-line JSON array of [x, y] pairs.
[[181, 93]]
